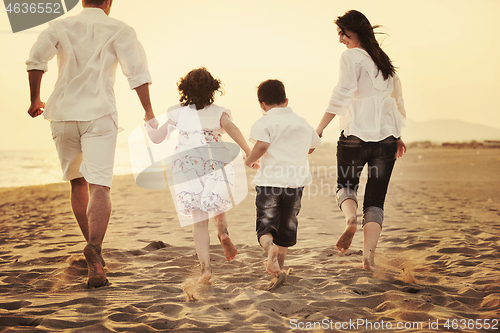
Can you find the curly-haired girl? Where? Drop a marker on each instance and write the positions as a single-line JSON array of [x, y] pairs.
[[201, 165]]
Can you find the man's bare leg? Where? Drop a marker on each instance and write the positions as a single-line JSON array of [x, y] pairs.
[[202, 244], [266, 241], [98, 214], [79, 203], [348, 207], [223, 235], [371, 234]]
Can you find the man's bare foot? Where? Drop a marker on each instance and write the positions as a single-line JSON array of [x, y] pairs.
[[97, 276], [273, 266], [228, 247], [346, 239]]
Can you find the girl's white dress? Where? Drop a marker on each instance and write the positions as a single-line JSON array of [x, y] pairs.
[[202, 172]]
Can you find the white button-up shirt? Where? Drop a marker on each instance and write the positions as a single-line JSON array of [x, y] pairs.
[[88, 47], [285, 164], [371, 108]]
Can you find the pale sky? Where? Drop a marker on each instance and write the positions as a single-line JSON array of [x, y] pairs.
[[446, 52]]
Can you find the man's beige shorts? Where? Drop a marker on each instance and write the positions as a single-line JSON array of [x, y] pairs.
[[87, 148]]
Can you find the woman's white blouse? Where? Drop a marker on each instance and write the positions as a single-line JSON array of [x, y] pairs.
[[371, 108]]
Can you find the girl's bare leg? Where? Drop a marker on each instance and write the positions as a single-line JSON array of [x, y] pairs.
[[223, 235], [202, 244], [348, 207]]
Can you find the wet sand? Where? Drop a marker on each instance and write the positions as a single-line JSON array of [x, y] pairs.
[[438, 258]]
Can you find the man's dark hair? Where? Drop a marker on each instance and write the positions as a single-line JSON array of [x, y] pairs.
[[271, 92], [94, 2]]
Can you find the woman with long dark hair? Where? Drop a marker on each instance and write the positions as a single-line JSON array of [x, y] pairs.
[[369, 100]]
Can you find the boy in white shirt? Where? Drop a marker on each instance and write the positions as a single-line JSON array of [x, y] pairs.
[[282, 139]]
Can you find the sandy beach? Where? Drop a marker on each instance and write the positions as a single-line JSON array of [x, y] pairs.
[[438, 259]]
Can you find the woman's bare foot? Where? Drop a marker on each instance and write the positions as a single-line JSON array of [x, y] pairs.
[[273, 266], [346, 239], [97, 276], [228, 247], [369, 264]]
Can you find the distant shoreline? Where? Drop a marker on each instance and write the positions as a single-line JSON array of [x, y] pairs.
[[488, 144], [332, 146]]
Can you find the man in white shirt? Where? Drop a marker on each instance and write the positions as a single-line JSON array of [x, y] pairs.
[[283, 140], [82, 110]]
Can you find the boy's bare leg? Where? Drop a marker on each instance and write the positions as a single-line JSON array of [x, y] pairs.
[[223, 235], [98, 214], [281, 256], [202, 244], [79, 203], [371, 233], [348, 207], [266, 241]]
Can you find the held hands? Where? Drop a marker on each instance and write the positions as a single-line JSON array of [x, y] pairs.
[[149, 115], [254, 165], [401, 148], [153, 122], [36, 108]]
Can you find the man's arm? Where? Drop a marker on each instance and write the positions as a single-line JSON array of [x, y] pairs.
[[35, 81], [143, 93]]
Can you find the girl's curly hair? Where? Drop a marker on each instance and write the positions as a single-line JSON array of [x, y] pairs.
[[198, 87]]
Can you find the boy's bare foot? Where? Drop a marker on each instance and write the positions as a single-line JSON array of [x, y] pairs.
[[228, 247], [346, 239], [278, 280], [273, 266], [97, 277]]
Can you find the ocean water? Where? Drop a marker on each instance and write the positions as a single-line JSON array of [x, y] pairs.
[[39, 167]]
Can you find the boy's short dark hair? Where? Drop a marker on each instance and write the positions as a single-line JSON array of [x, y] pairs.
[[271, 92]]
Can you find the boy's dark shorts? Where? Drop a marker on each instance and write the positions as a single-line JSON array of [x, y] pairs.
[[277, 210]]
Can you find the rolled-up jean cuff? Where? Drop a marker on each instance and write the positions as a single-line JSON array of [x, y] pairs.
[[373, 214], [346, 193]]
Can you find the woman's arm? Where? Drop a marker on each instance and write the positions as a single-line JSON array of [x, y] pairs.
[[401, 148], [327, 118], [234, 132]]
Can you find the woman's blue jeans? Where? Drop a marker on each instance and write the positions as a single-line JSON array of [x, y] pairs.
[[352, 155]]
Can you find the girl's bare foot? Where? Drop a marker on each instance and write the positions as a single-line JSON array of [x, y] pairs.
[[205, 278], [346, 239], [273, 266], [206, 274], [228, 247]]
